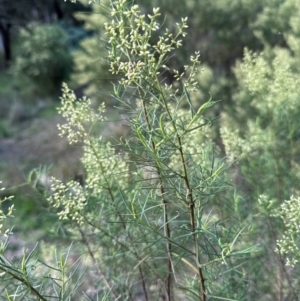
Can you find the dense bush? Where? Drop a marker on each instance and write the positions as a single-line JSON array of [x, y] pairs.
[[180, 209], [155, 218], [43, 57]]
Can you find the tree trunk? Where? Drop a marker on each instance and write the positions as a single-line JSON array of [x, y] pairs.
[[5, 34], [58, 10]]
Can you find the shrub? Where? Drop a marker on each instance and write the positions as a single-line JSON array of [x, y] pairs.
[[43, 57], [156, 217], [263, 138]]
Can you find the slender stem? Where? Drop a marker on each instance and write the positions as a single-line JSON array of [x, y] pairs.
[[91, 254], [26, 283], [167, 230], [137, 256], [189, 196], [191, 202]]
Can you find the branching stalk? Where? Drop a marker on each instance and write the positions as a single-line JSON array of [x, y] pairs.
[[189, 199], [110, 191], [191, 202], [91, 254], [167, 230], [26, 283]]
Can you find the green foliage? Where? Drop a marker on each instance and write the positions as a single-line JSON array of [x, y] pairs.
[[37, 279], [43, 57], [90, 58], [266, 147], [158, 213], [154, 217], [269, 90]]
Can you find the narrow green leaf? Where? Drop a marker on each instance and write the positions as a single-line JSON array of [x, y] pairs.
[[187, 95]]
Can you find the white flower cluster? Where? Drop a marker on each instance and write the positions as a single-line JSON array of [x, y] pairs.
[[69, 198], [289, 245], [133, 55], [271, 84], [235, 147], [255, 141], [4, 215], [105, 169], [78, 114]]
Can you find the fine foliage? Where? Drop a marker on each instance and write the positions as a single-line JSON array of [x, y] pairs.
[[178, 208], [155, 216]]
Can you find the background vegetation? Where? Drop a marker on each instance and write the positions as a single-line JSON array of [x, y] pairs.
[[246, 155]]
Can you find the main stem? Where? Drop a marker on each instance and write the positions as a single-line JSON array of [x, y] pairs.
[[191, 202], [6, 269], [189, 197], [167, 230]]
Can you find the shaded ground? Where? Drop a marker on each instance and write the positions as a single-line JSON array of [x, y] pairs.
[[37, 143]]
